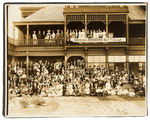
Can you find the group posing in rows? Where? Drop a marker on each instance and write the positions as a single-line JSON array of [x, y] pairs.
[[52, 79]]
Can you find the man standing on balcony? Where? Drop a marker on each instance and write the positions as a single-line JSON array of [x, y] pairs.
[[34, 37], [61, 37], [57, 37], [39, 37], [53, 37]]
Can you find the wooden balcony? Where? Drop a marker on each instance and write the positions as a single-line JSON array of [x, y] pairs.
[[137, 41], [39, 42]]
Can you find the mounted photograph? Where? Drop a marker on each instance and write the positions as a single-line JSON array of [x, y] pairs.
[[73, 60]]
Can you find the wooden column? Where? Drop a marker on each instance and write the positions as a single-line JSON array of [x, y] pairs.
[[86, 56], [66, 58], [85, 25], [65, 28], [106, 59], [13, 60], [13, 34], [27, 43], [127, 60], [127, 29], [107, 25], [27, 63]]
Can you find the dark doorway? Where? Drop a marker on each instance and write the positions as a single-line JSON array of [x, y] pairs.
[[133, 67]]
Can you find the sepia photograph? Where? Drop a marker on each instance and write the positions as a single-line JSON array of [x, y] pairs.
[[75, 60]]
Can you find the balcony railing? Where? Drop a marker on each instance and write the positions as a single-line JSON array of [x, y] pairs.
[[137, 41], [39, 42]]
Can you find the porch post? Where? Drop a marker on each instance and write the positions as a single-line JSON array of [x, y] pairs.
[[85, 25], [27, 43], [127, 60], [107, 25], [66, 57], [86, 56], [127, 29], [13, 34], [13, 60], [65, 28], [106, 60], [27, 63]]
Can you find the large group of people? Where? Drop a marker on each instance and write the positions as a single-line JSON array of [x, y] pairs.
[[76, 79], [72, 36], [48, 38], [52, 38]]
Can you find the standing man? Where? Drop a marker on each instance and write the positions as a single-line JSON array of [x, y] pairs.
[[39, 36]]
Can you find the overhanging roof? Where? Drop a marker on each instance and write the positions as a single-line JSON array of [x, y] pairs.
[[52, 13], [136, 13], [27, 11], [96, 9], [55, 12]]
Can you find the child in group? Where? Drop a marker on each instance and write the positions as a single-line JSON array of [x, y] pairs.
[[108, 86], [112, 91], [125, 91], [99, 91], [69, 89], [87, 88], [131, 92]]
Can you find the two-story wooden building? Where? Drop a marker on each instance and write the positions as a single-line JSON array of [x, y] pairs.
[[125, 49]]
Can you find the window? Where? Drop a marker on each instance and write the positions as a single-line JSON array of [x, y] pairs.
[[116, 58], [96, 60], [137, 58]]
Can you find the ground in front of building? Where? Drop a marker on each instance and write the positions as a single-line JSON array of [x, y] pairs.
[[78, 106]]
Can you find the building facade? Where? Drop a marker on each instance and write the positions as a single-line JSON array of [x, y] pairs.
[[123, 47]]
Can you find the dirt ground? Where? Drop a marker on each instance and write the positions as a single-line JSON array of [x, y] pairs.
[[79, 106]]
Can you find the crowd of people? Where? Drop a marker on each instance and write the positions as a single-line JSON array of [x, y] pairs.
[[53, 79]]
